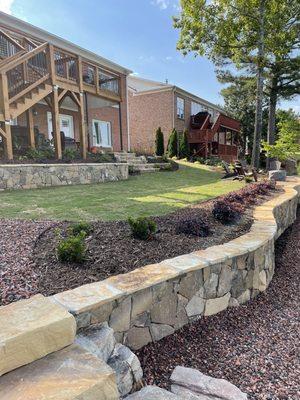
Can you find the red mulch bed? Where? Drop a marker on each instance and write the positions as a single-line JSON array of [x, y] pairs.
[[255, 346]]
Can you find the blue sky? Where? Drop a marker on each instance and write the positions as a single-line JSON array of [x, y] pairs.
[[137, 34]]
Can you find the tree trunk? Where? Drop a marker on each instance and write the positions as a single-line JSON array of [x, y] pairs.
[[272, 111], [259, 89], [272, 114]]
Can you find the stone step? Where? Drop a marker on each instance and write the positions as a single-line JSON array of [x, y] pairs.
[[30, 329], [71, 373]]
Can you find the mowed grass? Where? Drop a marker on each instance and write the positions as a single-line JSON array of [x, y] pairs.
[[149, 194]]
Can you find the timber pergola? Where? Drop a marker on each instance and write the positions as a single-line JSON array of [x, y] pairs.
[[33, 71]]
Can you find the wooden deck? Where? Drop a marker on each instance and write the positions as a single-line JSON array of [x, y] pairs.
[[31, 71]]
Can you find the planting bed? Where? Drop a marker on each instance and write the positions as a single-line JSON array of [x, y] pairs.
[[112, 250], [255, 346], [29, 265]]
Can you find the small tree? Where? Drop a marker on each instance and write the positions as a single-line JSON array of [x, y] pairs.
[[173, 144], [184, 145], [287, 144], [159, 143]]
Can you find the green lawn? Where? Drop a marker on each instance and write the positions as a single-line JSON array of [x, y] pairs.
[[149, 194]]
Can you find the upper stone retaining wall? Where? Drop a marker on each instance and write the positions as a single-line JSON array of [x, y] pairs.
[[28, 176], [152, 302]]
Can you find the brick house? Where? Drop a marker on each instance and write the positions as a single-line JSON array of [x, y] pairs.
[[50, 85], [152, 104]]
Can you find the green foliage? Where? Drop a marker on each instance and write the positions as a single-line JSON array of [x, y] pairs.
[[159, 143], [102, 157], [40, 154], [72, 249], [287, 145], [184, 150], [79, 227], [173, 144], [142, 228], [70, 154]]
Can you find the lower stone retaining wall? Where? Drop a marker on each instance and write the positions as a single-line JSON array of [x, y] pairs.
[[152, 302], [28, 176]]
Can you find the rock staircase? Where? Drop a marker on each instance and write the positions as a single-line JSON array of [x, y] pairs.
[[137, 164], [38, 359]]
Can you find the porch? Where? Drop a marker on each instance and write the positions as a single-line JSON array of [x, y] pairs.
[[46, 89], [219, 138]]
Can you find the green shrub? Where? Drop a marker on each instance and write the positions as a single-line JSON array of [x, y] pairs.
[[70, 154], [72, 249], [159, 143], [184, 149], [79, 227], [173, 144], [142, 228]]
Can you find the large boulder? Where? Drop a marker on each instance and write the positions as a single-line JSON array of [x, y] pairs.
[[277, 175], [153, 393], [98, 339], [191, 384], [290, 165], [30, 329], [71, 373], [127, 367]]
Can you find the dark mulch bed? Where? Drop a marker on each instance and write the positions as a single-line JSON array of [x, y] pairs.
[[112, 250], [255, 346]]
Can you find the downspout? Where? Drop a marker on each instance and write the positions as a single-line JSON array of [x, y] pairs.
[[127, 117]]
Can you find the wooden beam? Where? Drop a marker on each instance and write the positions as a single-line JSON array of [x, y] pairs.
[[79, 70], [30, 126], [82, 128], [12, 40], [55, 124], [75, 98], [2, 133], [7, 141], [48, 101], [62, 94], [51, 64]]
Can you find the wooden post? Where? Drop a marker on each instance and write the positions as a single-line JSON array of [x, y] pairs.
[[56, 124], [30, 126], [4, 106], [7, 140], [82, 130]]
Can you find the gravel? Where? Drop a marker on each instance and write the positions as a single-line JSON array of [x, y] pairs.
[[255, 346]]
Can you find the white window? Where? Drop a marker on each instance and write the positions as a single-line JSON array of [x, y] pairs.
[[101, 133], [66, 125], [196, 108], [180, 107]]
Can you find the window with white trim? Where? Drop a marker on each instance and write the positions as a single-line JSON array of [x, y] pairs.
[[180, 108]]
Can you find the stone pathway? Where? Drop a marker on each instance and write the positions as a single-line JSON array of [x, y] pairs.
[[255, 346]]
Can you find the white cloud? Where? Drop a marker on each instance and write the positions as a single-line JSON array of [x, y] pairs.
[[169, 58], [5, 6], [162, 4]]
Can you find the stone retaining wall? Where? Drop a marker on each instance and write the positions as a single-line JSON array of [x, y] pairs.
[[28, 176], [153, 301]]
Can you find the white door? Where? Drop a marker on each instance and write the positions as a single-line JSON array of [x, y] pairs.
[[101, 133], [66, 125]]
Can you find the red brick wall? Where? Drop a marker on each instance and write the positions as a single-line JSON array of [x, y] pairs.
[[146, 113]]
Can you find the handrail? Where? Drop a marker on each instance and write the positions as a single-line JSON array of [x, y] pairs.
[[23, 58], [11, 58]]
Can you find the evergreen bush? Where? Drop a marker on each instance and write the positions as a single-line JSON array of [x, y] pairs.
[[173, 144], [72, 249], [159, 143], [184, 150], [142, 228]]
